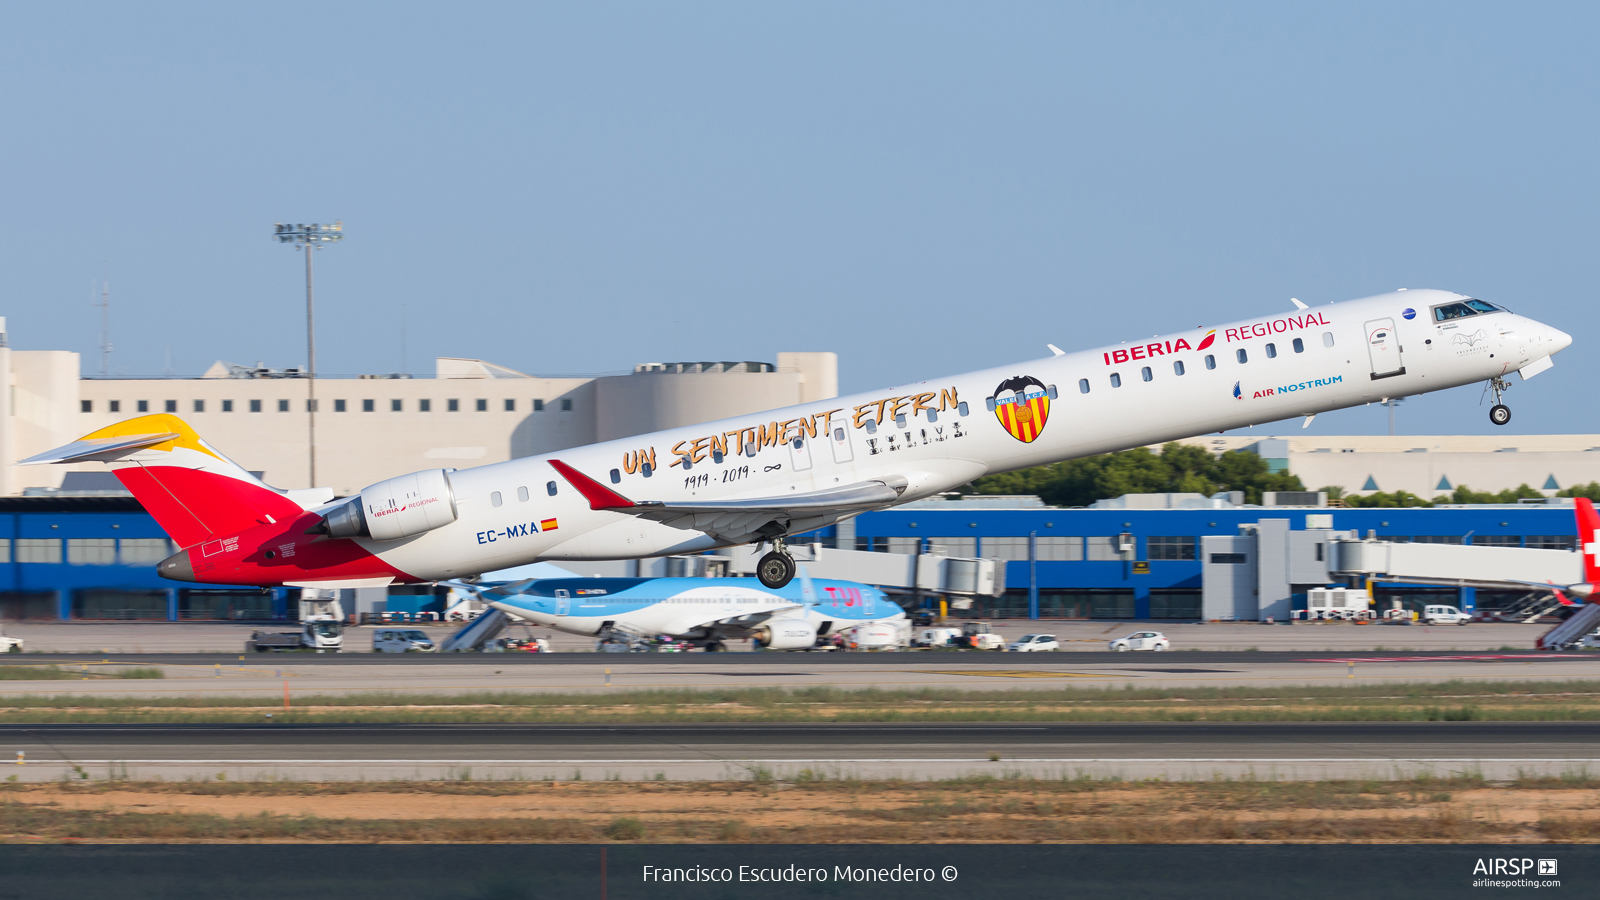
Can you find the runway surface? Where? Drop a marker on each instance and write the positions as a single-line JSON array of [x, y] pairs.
[[310, 675], [721, 752]]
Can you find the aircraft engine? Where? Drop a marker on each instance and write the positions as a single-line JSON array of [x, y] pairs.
[[786, 634], [394, 509]]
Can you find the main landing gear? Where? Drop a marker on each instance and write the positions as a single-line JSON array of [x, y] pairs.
[[1499, 413], [776, 569]]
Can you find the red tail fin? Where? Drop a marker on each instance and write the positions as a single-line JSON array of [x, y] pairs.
[[1588, 538]]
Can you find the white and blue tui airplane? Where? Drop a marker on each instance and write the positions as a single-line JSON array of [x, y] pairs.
[[706, 612], [761, 477]]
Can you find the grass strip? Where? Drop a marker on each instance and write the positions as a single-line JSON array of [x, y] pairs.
[[1455, 700], [56, 673]]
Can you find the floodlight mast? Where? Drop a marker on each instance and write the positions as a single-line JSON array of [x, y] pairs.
[[308, 238]]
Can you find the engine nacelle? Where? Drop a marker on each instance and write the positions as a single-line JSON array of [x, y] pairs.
[[394, 509], [786, 634]]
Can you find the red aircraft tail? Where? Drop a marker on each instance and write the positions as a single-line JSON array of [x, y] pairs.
[[1588, 538]]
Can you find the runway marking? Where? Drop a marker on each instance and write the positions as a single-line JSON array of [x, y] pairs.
[[1016, 674], [1479, 658]]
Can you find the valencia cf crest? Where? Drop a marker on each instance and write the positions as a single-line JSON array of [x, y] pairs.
[[1022, 405]]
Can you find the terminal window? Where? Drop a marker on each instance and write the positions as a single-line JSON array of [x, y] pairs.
[[255, 406], [116, 406], [369, 405], [5, 557], [511, 405], [283, 406], [483, 405], [91, 551], [424, 405], [566, 405], [199, 406], [1229, 559], [144, 406], [145, 551], [538, 406], [1171, 547], [453, 405], [1552, 542], [172, 406], [952, 546], [38, 550], [86, 405], [1497, 540], [396, 405], [1053, 548], [227, 406], [338, 406]]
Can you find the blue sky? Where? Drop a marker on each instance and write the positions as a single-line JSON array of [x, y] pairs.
[[921, 187]]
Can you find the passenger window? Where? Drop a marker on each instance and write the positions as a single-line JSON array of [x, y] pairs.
[[872, 428], [1177, 367], [1242, 356], [616, 477], [550, 488], [716, 456], [1327, 339], [1083, 385], [962, 407], [522, 494], [1299, 346], [1116, 380], [933, 416], [900, 421], [646, 471], [1050, 391], [1145, 373], [1211, 361], [1272, 351], [494, 498]]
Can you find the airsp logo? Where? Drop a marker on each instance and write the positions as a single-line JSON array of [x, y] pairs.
[[1503, 866]]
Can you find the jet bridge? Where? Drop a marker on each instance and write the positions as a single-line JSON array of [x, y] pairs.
[[1461, 565]]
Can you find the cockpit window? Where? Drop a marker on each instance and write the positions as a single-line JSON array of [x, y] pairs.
[[1461, 310]]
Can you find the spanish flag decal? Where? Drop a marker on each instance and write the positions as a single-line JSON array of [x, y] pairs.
[[547, 525], [1022, 405]]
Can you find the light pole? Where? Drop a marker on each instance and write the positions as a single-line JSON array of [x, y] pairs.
[[309, 238]]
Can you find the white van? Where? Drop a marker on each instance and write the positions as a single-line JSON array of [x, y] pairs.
[[402, 640], [1444, 615]]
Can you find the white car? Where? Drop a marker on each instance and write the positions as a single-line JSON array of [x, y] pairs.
[[1142, 640], [1444, 615], [402, 640], [1034, 643], [10, 644]]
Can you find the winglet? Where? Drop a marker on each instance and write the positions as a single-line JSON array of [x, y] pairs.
[[1298, 304], [598, 495], [1056, 350], [808, 591]]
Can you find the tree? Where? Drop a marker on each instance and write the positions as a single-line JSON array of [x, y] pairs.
[[1590, 490], [1464, 494], [1380, 500], [1178, 468]]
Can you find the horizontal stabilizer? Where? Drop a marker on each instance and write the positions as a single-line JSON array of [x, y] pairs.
[[104, 449]]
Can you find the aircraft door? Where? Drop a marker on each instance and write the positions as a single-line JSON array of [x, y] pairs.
[[839, 437], [800, 453], [563, 602], [869, 604], [1383, 348]]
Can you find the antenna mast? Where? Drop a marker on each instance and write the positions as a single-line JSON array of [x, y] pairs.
[[105, 321]]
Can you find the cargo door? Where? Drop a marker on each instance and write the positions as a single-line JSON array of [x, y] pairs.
[[1383, 348]]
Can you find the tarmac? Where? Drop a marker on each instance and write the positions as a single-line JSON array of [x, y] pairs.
[[720, 752]]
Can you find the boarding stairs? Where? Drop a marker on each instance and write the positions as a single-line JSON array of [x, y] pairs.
[[1577, 626], [1530, 607], [473, 635]]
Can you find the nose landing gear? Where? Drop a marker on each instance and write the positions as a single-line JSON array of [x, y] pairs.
[[776, 569], [1499, 413]]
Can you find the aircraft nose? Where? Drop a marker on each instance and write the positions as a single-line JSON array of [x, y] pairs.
[[1561, 338]]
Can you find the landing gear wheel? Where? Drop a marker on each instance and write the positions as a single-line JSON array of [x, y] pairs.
[[1500, 414], [716, 647], [776, 569]]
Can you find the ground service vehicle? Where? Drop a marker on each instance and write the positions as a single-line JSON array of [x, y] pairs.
[[761, 477], [1143, 640], [935, 637], [979, 636], [402, 640], [10, 644], [1034, 643], [1438, 614], [323, 637]]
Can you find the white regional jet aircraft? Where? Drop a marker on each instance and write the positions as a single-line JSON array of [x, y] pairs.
[[760, 477]]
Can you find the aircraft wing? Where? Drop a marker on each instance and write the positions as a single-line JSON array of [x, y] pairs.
[[743, 521]]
